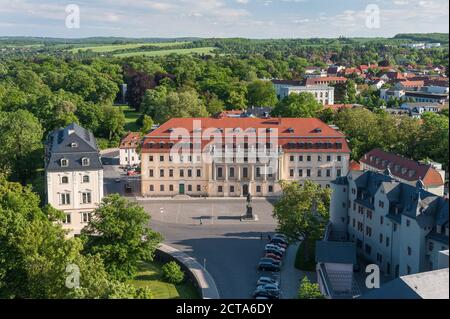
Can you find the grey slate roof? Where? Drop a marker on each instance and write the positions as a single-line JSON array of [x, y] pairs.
[[59, 146], [336, 252], [427, 285]]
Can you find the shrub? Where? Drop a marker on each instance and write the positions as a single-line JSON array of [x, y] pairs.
[[309, 290], [173, 273]]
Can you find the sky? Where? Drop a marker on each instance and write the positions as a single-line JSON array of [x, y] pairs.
[[223, 18]]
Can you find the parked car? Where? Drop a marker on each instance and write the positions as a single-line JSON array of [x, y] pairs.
[[117, 180], [279, 241], [274, 251], [268, 266], [273, 256], [264, 295], [271, 290], [275, 247], [270, 260], [131, 173], [281, 236], [281, 245], [266, 280]]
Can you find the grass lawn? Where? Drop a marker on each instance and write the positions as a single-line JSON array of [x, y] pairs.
[[300, 260], [150, 275], [205, 50], [130, 118], [113, 47]]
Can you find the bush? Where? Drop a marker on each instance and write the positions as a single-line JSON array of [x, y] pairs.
[[173, 273], [303, 263], [309, 290]]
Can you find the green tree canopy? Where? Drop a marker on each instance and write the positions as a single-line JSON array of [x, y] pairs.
[[261, 93], [125, 237], [298, 105]]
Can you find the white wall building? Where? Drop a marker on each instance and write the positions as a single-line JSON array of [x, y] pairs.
[[128, 150], [74, 175], [323, 94]]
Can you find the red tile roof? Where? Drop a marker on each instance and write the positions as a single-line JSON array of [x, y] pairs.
[[402, 167], [131, 140], [293, 134], [354, 166], [410, 84]]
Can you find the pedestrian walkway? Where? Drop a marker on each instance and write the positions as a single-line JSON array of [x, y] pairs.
[[290, 276], [205, 281]]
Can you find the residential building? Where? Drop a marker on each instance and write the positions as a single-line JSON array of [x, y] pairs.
[[416, 96], [74, 175], [416, 109], [128, 149], [406, 170], [397, 226], [232, 157]]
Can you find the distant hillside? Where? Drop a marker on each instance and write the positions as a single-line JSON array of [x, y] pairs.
[[424, 37]]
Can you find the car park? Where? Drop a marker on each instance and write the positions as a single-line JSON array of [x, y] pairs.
[[281, 236], [279, 241], [268, 266], [281, 245]]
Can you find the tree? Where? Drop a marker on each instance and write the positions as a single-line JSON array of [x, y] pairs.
[[112, 123], [185, 103], [138, 84], [21, 146], [302, 211], [125, 237], [262, 93], [147, 124], [154, 99], [309, 290], [37, 259], [298, 105], [434, 140]]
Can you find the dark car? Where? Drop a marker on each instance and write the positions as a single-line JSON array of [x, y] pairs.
[[270, 260], [267, 290], [274, 251], [268, 266], [265, 295], [279, 241]]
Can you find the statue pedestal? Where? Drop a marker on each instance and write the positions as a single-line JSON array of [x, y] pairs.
[[249, 216]]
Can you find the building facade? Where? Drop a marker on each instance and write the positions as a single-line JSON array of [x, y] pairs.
[[128, 149], [323, 94], [232, 157], [74, 175], [400, 227]]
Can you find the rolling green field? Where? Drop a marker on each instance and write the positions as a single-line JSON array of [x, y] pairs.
[[110, 48], [150, 275], [206, 50]]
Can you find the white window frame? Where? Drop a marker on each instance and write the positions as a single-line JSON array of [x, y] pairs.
[[64, 160]]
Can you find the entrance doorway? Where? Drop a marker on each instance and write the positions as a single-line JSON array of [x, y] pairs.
[[245, 190], [181, 189]]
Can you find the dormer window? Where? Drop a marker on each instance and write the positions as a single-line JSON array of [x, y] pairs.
[[74, 145], [64, 162], [85, 161]]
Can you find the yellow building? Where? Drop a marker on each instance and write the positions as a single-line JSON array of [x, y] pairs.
[[232, 157]]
